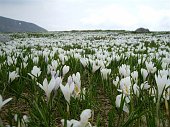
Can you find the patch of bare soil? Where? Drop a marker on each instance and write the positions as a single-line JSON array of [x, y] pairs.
[[105, 106]]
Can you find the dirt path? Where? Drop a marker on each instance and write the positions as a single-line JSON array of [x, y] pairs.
[[105, 106]]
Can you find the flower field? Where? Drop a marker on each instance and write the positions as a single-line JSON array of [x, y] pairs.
[[85, 79]]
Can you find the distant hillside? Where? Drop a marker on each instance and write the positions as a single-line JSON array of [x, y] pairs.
[[11, 25]]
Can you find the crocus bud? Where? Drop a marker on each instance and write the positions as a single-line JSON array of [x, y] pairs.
[[65, 69], [12, 76]]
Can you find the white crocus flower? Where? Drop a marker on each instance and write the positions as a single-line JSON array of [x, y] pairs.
[[163, 72], [84, 61], [58, 81], [71, 123], [48, 69], [118, 102], [67, 91], [12, 76], [61, 56], [152, 92], [77, 81], [69, 80], [9, 61], [25, 64], [144, 73], [102, 63], [150, 67], [166, 94], [48, 87], [25, 59], [124, 70], [36, 60], [139, 61], [84, 118], [115, 82], [95, 67], [54, 64], [2, 103], [134, 75], [65, 69], [164, 65], [25, 118], [35, 72], [23, 122], [136, 89], [105, 72], [53, 73], [161, 82], [125, 85], [145, 85], [76, 78]]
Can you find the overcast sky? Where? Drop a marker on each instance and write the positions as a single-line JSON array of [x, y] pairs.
[[90, 14]]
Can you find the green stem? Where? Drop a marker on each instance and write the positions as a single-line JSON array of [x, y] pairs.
[[68, 109], [1, 124], [157, 111], [167, 110]]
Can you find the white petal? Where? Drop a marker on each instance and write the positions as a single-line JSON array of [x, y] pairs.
[[40, 86], [45, 84], [51, 84], [6, 101], [125, 108], [118, 100], [0, 99], [75, 123], [85, 115], [69, 123], [58, 82], [72, 87], [65, 91]]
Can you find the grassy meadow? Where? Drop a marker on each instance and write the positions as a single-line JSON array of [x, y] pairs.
[[85, 79]]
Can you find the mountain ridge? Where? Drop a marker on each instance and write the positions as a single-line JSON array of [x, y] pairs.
[[13, 25]]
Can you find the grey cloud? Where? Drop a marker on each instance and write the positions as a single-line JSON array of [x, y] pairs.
[[19, 1], [67, 14], [165, 23]]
